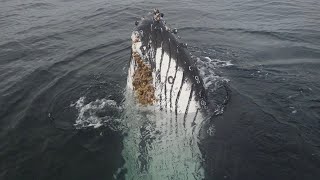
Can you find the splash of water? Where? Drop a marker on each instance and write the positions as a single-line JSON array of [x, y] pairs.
[[207, 67], [101, 112]]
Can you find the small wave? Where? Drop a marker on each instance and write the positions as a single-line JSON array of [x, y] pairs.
[[207, 67], [101, 112], [218, 62], [37, 5]]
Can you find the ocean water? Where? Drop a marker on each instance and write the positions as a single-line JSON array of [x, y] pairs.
[[63, 69]]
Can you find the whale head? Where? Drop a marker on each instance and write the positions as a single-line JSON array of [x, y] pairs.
[[161, 71]]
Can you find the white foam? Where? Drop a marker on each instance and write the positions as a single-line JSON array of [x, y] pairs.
[[87, 114], [207, 67], [218, 62]]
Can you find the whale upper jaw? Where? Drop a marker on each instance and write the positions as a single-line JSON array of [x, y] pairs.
[[161, 71]]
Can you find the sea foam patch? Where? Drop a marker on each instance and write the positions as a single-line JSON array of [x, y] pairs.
[[101, 112]]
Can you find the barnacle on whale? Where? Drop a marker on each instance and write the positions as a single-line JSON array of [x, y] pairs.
[[143, 81]]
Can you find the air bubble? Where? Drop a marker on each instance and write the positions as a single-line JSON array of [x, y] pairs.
[[184, 45], [175, 31]]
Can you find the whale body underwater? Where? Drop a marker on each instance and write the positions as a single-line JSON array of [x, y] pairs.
[[166, 105]]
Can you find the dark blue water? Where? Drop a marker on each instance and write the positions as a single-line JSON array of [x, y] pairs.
[[53, 53]]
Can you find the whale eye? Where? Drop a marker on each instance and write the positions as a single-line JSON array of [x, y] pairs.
[[170, 80]]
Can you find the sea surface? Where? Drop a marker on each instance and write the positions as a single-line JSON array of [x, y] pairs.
[[63, 69]]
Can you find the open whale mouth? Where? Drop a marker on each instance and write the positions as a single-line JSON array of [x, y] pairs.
[[161, 71]]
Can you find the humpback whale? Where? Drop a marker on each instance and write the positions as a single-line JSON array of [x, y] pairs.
[[168, 105]]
